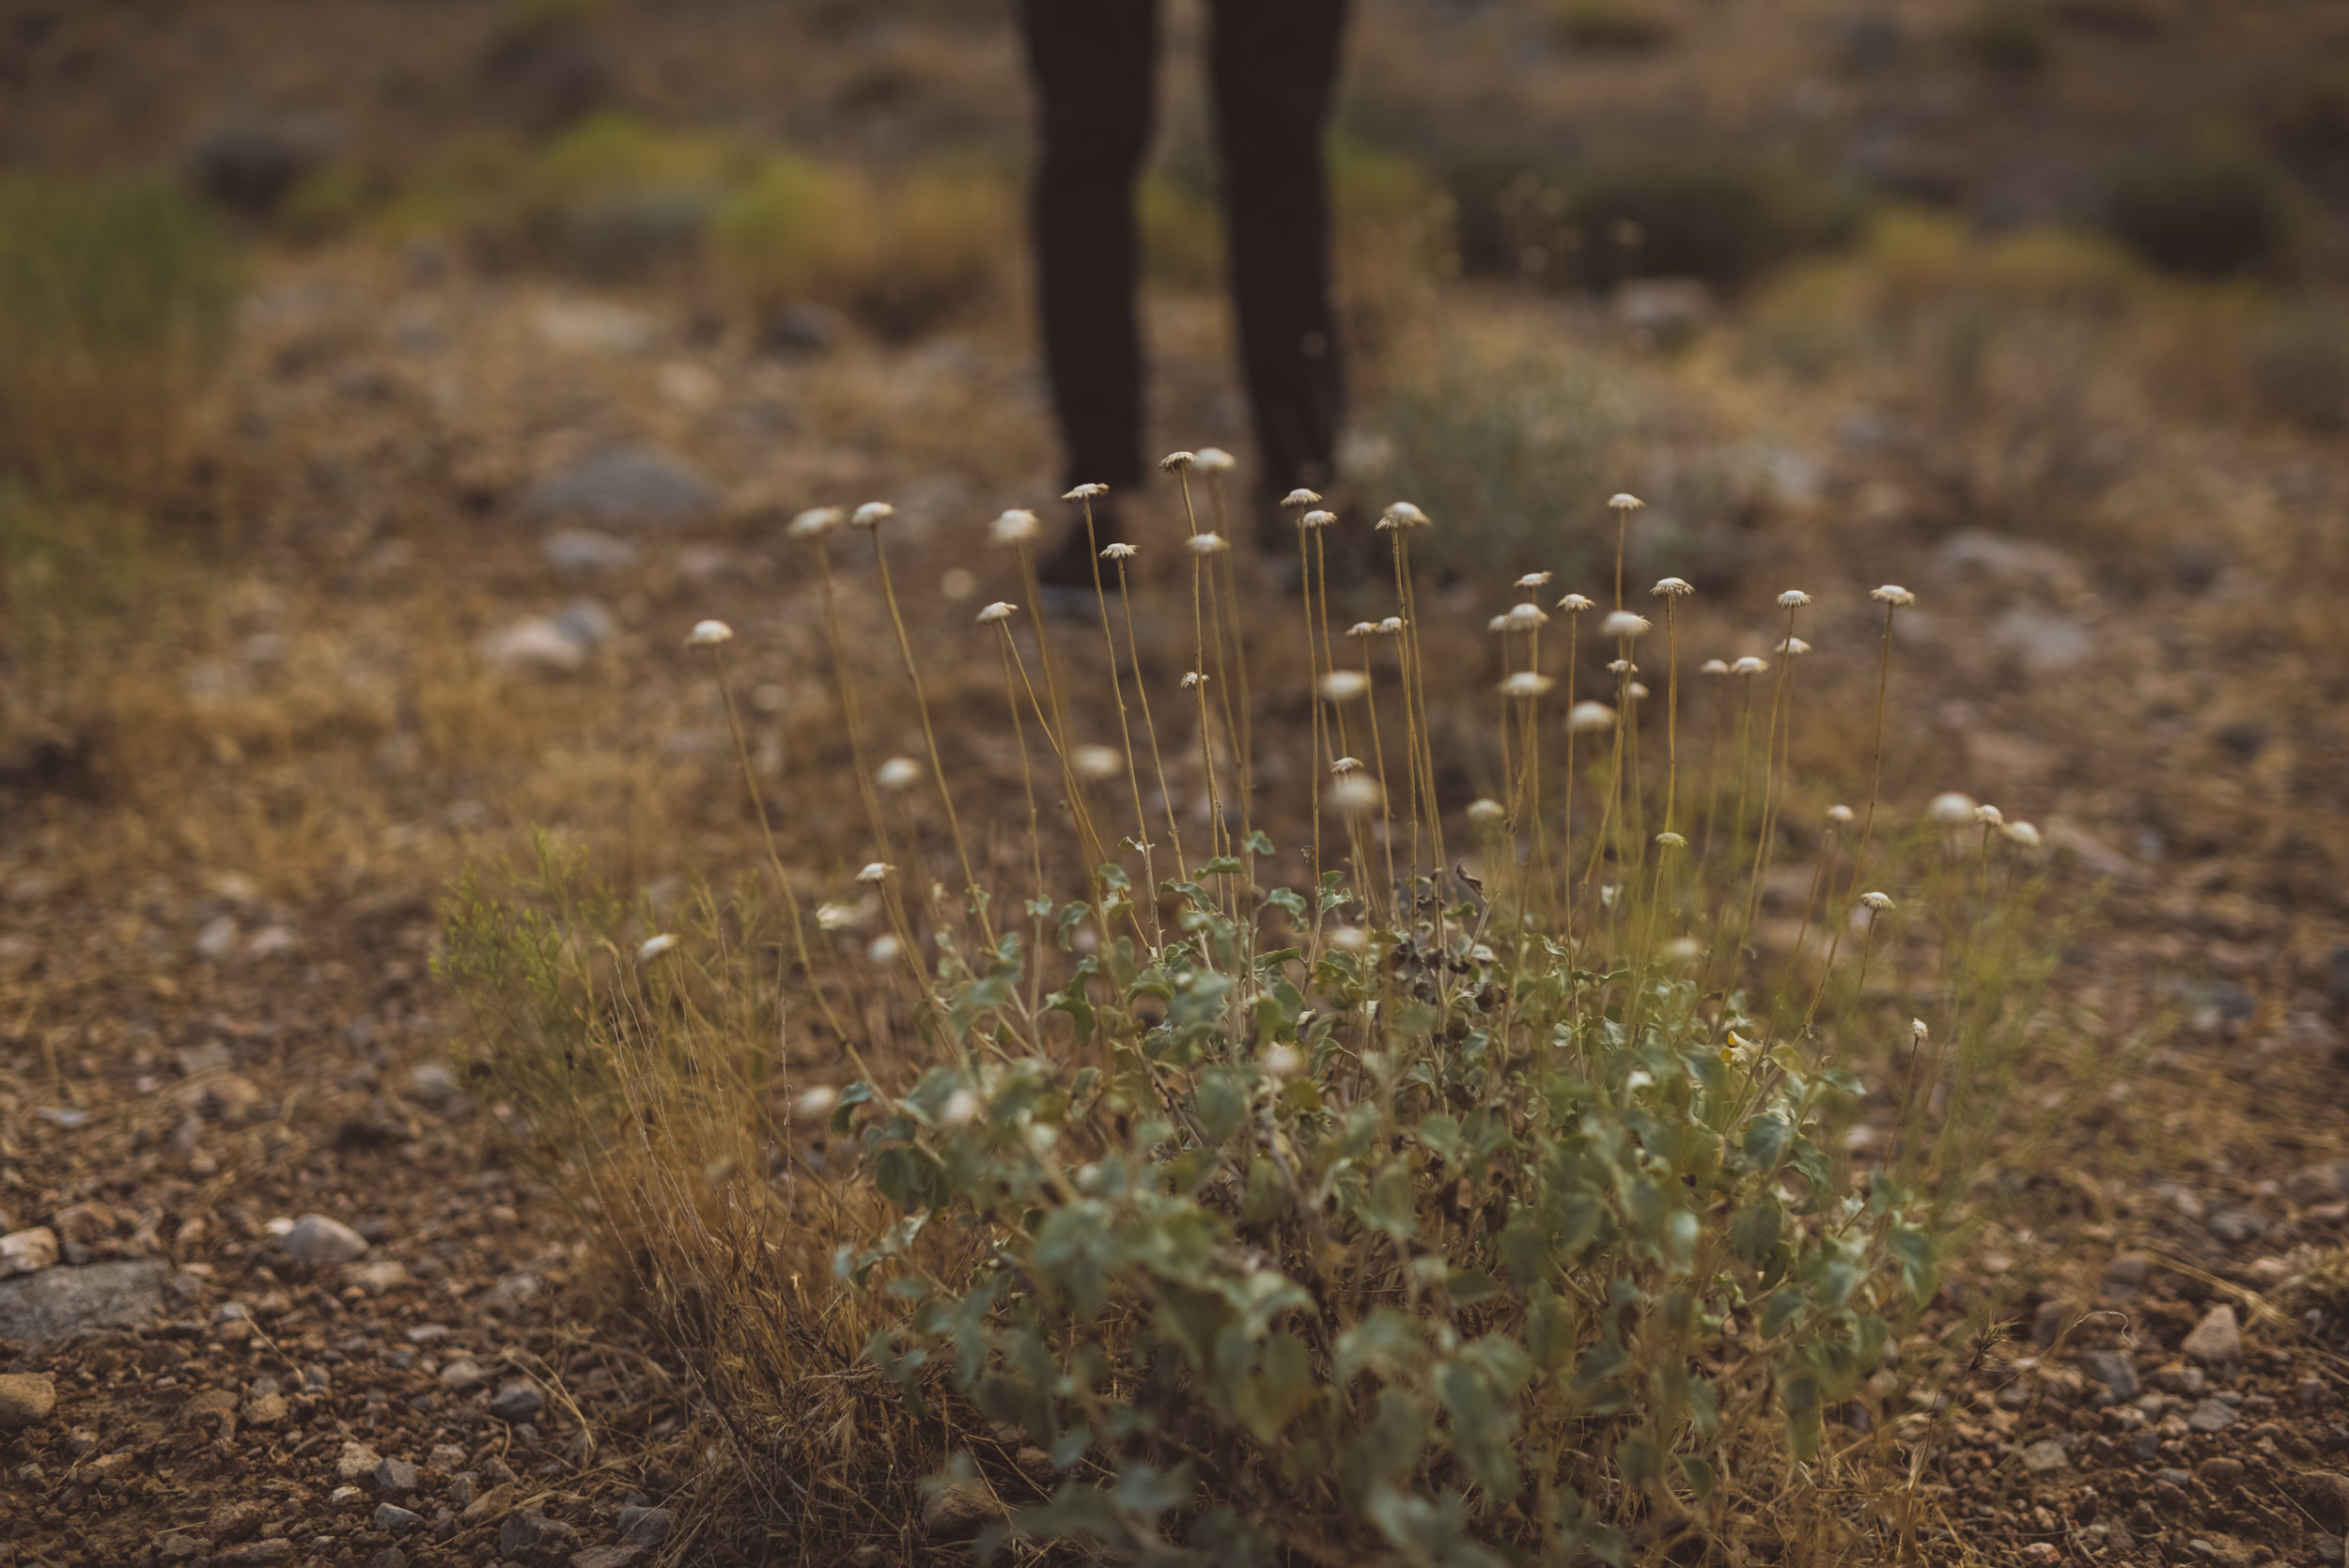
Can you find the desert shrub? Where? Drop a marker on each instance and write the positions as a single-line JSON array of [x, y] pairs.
[[1620, 26], [114, 305], [1401, 1212], [2221, 206], [1722, 216], [2012, 37]]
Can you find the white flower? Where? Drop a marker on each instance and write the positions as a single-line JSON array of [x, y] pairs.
[[1391, 626], [1624, 501], [1208, 544], [1346, 765], [1193, 680], [1178, 462], [1636, 692], [1794, 647], [1916, 1030], [1673, 587], [1876, 900], [815, 1102], [999, 610], [1534, 579], [871, 515], [882, 951], [1586, 717], [1344, 686], [1950, 810], [1013, 527], [1526, 617], [1622, 625], [1895, 594], [1749, 666], [898, 773], [1086, 493], [960, 1107], [1214, 459], [1526, 683], [1118, 552], [708, 634], [1714, 667], [1316, 519], [1574, 604], [2022, 834], [1403, 515], [1349, 938], [815, 521], [837, 917], [1793, 598], [1989, 815], [654, 947], [1672, 841], [1097, 762], [875, 871], [1354, 795], [1282, 1061], [1363, 628], [1298, 498], [1621, 667], [1485, 814], [1843, 816]]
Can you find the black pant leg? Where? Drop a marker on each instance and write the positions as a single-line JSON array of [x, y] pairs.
[[1275, 65], [1092, 63]]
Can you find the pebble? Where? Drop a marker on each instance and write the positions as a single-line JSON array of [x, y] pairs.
[[345, 1497], [27, 1251], [2219, 1470], [48, 1307], [2326, 1493], [265, 1409], [356, 1461], [2217, 1339], [390, 1557], [256, 1554], [607, 1557], [234, 1521], [396, 1520], [25, 1397], [2124, 1275], [2320, 1182], [2114, 1369], [2211, 1416], [462, 1374], [587, 548], [524, 1534], [317, 1239], [2236, 1226], [397, 1478], [517, 1402], [646, 1527], [625, 484]]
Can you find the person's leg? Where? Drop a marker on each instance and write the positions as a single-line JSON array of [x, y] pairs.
[[1092, 64], [1274, 67]]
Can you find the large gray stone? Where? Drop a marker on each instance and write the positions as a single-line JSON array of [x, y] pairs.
[[624, 484], [53, 1306]]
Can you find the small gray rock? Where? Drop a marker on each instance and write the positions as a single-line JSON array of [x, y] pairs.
[[2114, 1369], [25, 1398], [256, 1554], [356, 1460], [2045, 1455], [2216, 1341], [623, 484], [462, 1374], [587, 550], [959, 1510], [607, 1557], [53, 1306], [2173, 1477], [2210, 1416], [646, 1527], [525, 1534], [390, 1557], [2319, 1183], [517, 1402], [2124, 1275], [397, 1478], [2236, 1226], [317, 1239], [396, 1520]]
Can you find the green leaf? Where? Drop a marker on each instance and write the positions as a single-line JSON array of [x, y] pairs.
[[1467, 1287], [1767, 1141], [1223, 865], [1070, 918], [1781, 1311], [1221, 1102], [1700, 1476], [1440, 1131], [909, 1178]]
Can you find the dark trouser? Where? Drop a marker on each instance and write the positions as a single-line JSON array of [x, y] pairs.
[[1273, 65]]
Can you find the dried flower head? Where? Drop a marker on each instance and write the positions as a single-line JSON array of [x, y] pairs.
[[999, 610], [1534, 579], [1673, 587], [1349, 938], [1877, 902], [1636, 692], [1346, 765], [1280, 1061], [1714, 667], [1403, 515], [1682, 950], [1895, 594], [1793, 598], [2021, 834], [1486, 813], [1670, 840], [1214, 459], [1178, 462], [1622, 625], [1574, 604], [1013, 527], [816, 1102], [1916, 1030], [1208, 544], [1526, 684], [815, 521], [1792, 647], [898, 773], [1344, 686], [1299, 497], [1118, 552], [708, 634], [872, 515], [1193, 679], [1363, 628], [1989, 815], [1354, 795], [1950, 810], [1086, 493], [960, 1109], [1624, 501], [1842, 817], [1497, 625], [1587, 718], [1621, 667], [1391, 626], [884, 950], [838, 917], [1749, 666], [1526, 617], [1316, 519], [876, 871], [654, 947], [1097, 762]]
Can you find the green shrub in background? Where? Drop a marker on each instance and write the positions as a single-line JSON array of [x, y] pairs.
[[2221, 206], [115, 305]]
